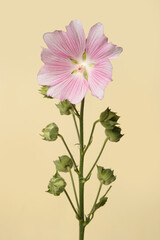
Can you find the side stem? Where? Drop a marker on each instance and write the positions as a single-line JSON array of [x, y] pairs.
[[74, 119], [65, 144], [74, 189], [91, 136], [99, 190], [88, 175], [70, 201]]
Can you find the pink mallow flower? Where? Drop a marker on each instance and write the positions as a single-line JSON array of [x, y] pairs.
[[72, 64]]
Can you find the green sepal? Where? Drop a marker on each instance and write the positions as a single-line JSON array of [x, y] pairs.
[[74, 71], [101, 203], [74, 61], [84, 55], [105, 175], [114, 135], [63, 163], [65, 107], [50, 132], [56, 185], [85, 75], [44, 90], [108, 119]]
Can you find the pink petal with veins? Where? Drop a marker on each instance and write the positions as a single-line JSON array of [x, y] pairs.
[[99, 77], [97, 46], [74, 88], [55, 69], [70, 44]]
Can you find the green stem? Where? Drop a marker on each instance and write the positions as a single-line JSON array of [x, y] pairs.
[[74, 119], [74, 189], [81, 183], [76, 112], [88, 175], [99, 190], [91, 135], [76, 169], [107, 191], [71, 203]]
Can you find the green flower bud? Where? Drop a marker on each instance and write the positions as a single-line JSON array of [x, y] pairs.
[[63, 163], [108, 119], [44, 90], [50, 132], [105, 175], [114, 134], [56, 185], [64, 107]]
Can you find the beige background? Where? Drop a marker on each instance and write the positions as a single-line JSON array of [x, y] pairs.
[[133, 209]]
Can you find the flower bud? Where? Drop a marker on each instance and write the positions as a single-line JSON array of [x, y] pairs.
[[114, 135], [105, 175], [63, 163], [108, 119], [64, 107], [56, 185], [50, 132], [44, 90]]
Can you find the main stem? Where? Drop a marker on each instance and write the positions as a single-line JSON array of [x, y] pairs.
[[81, 183]]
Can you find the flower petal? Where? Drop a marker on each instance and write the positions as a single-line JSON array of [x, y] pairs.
[[55, 69], [99, 77], [97, 46], [74, 88], [70, 44], [77, 38], [113, 51], [96, 42]]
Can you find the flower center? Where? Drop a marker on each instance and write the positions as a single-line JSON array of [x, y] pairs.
[[82, 66]]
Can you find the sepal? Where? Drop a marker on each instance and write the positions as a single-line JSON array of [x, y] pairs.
[[101, 203], [65, 107], [114, 135], [63, 163], [50, 132], [56, 185], [108, 119], [43, 90], [105, 175]]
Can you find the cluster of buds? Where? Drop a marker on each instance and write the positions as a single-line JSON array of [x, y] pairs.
[[109, 119]]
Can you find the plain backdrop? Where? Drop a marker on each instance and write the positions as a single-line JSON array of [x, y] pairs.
[[133, 210]]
